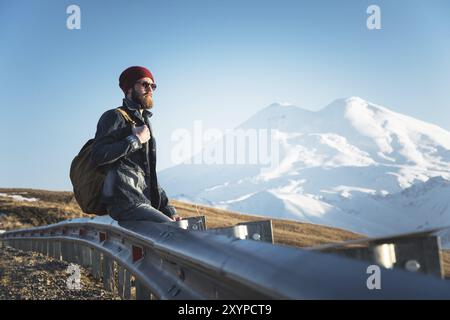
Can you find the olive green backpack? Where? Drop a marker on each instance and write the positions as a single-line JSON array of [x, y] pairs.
[[87, 179]]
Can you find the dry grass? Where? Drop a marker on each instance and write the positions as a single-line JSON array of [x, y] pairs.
[[55, 206], [33, 276], [52, 207], [445, 254], [285, 232]]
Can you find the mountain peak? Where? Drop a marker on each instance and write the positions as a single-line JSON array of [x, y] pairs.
[[355, 99], [343, 103], [280, 104]]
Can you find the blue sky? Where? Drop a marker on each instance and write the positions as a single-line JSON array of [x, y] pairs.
[[215, 61]]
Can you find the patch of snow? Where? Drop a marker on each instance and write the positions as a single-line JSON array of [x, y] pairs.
[[18, 197]]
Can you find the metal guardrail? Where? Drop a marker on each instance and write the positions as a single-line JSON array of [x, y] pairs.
[[182, 260], [414, 251]]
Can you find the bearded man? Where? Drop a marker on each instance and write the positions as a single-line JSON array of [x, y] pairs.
[[127, 151]]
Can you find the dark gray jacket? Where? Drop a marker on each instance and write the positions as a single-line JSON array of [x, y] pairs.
[[131, 166]]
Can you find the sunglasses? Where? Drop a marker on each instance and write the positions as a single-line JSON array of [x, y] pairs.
[[147, 85]]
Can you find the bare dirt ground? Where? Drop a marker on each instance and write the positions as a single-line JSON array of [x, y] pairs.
[[32, 276]]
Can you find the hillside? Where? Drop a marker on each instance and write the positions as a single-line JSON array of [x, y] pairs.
[[16, 211]]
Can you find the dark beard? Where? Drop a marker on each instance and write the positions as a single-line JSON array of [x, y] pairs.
[[145, 101]]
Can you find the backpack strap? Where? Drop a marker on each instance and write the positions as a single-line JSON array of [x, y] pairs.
[[126, 116]]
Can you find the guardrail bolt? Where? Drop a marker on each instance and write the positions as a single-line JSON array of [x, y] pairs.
[[256, 236], [412, 265]]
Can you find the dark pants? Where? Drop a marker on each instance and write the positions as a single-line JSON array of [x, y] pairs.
[[143, 212]]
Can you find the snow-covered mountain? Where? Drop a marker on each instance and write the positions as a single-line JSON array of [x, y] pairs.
[[353, 164]]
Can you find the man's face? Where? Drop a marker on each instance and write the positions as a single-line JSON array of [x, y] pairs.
[[142, 93]]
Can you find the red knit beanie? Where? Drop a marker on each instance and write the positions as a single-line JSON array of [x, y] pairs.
[[129, 77]]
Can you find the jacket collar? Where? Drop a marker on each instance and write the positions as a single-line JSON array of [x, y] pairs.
[[134, 107]]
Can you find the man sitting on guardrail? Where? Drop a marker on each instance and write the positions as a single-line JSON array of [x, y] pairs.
[[125, 145]]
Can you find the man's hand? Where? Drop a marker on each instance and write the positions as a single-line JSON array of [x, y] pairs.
[[176, 218], [142, 133]]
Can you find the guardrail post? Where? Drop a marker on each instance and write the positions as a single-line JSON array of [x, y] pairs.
[[72, 254], [89, 252], [239, 231], [254, 230], [96, 264], [120, 280], [107, 272], [259, 230], [142, 293], [78, 255], [58, 250], [127, 285], [64, 251], [40, 246], [412, 253], [420, 255], [196, 223], [50, 249], [85, 256], [82, 250], [13, 243]]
